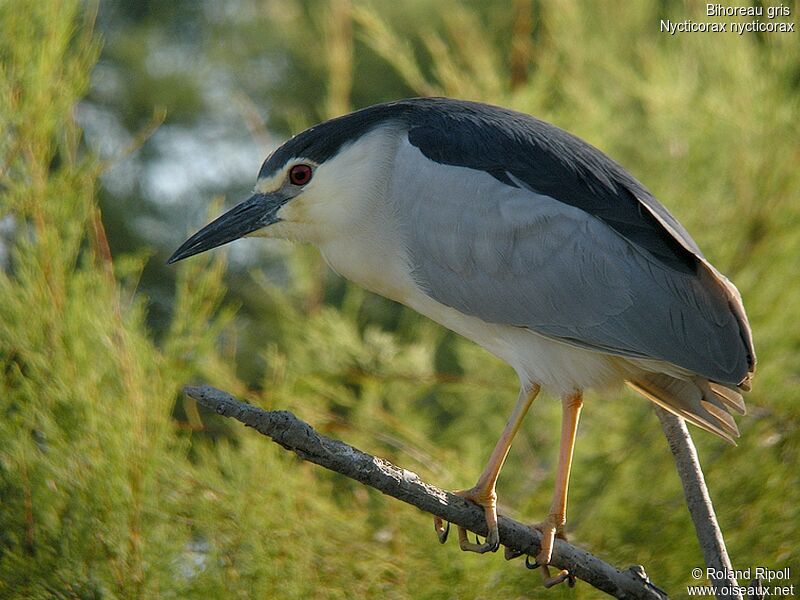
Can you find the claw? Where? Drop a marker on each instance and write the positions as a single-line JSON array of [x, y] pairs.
[[493, 540], [531, 565], [442, 531]]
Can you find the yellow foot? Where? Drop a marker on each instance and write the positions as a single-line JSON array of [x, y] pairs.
[[551, 528], [485, 499]]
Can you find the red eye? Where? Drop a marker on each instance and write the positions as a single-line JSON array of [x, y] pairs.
[[300, 174]]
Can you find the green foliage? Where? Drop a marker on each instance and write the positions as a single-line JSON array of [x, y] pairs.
[[114, 486]]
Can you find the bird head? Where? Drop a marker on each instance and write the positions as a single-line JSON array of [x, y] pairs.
[[312, 188]]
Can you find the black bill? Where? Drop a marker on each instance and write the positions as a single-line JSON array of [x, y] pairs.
[[254, 213]]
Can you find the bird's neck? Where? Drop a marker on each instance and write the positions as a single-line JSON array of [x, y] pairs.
[[376, 262]]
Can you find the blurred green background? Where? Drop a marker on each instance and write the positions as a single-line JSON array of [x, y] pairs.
[[123, 125]]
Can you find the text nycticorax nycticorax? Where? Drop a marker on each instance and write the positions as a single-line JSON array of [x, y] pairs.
[[524, 239]]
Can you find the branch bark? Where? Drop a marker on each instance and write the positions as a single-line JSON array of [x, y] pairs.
[[299, 437], [699, 502]]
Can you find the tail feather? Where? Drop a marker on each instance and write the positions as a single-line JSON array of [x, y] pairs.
[[723, 416], [698, 401], [730, 397]]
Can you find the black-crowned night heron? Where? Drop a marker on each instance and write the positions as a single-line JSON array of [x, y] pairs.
[[524, 239]]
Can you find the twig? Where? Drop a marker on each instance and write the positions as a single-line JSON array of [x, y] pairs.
[[699, 502], [299, 437]]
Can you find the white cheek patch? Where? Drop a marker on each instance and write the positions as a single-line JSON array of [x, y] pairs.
[[296, 210], [269, 184], [285, 212]]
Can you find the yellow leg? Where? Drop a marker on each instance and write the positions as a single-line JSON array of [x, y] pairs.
[[553, 525], [483, 493]]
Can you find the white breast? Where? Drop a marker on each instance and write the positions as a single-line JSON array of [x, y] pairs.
[[368, 249], [378, 264]]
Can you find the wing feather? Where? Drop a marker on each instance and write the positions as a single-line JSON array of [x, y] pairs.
[[523, 258]]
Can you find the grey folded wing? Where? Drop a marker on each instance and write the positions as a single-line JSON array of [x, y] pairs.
[[523, 258]]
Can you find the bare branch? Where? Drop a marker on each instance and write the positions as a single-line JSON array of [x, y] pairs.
[[299, 437], [698, 501]]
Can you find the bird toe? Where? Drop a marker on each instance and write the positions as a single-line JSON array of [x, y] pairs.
[[442, 529], [551, 528], [490, 544]]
